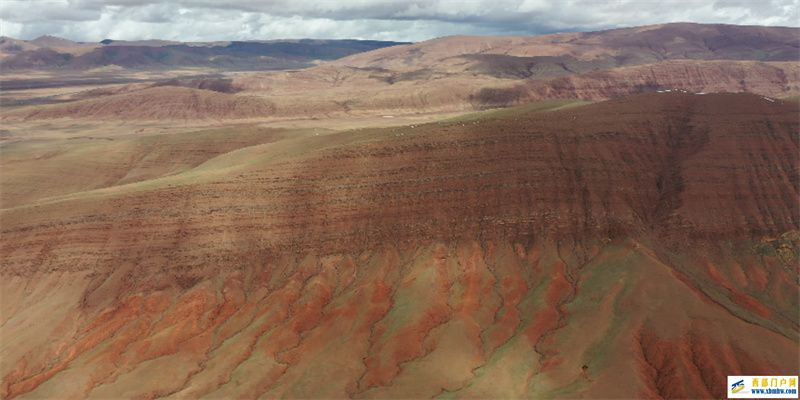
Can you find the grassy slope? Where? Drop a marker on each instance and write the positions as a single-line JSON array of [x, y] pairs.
[[34, 170], [37, 169]]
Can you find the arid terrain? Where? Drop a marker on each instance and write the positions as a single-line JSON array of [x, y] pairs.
[[382, 226]]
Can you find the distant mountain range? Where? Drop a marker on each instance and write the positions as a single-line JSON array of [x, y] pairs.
[[439, 75], [52, 53], [544, 56], [575, 53]]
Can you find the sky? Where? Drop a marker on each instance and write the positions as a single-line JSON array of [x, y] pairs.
[[412, 21]]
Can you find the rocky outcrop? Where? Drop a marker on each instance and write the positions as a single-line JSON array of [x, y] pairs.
[[767, 79]]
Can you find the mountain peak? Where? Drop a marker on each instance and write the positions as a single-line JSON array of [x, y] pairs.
[[53, 41]]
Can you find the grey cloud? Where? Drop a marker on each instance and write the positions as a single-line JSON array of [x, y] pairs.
[[45, 10], [154, 13], [92, 20], [762, 9]]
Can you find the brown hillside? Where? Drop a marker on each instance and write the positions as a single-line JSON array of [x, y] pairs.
[[329, 92], [641, 247], [10, 46], [34, 169], [54, 41], [629, 46], [157, 103], [445, 75], [768, 79]]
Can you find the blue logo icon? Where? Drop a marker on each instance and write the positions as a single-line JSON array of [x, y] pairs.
[[737, 386]]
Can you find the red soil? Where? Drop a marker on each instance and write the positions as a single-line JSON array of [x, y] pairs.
[[751, 304], [366, 261]]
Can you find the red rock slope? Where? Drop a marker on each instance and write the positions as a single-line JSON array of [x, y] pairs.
[[639, 247]]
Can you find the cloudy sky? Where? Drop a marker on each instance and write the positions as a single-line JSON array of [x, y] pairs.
[[211, 20]]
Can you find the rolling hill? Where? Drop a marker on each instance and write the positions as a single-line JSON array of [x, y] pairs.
[[618, 47], [444, 75], [644, 246], [333, 92]]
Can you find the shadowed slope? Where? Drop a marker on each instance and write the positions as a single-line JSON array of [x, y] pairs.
[[631, 248]]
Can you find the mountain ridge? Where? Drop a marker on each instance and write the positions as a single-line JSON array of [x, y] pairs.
[[637, 247], [706, 39], [241, 55]]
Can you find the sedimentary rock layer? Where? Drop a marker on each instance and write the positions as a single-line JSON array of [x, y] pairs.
[[644, 246]]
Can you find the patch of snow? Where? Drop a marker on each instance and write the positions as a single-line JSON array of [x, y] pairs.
[[768, 99]]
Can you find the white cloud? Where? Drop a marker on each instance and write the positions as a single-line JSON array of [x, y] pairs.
[[209, 20]]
